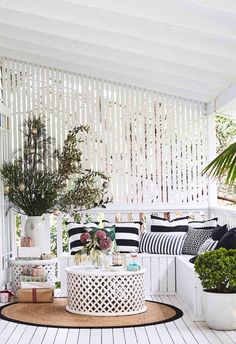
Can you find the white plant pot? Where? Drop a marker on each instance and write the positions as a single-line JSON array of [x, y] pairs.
[[219, 310], [36, 229]]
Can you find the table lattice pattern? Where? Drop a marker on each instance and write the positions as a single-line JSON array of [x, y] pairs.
[[106, 294]]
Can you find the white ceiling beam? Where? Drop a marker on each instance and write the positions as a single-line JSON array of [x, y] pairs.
[[218, 5], [177, 55], [110, 12], [145, 68], [202, 79], [151, 33], [224, 103], [125, 76]]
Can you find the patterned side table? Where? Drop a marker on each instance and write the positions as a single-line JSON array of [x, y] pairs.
[[105, 293], [49, 266]]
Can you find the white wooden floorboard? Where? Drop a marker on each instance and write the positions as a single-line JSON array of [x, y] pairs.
[[223, 337], [73, 335], [3, 324], [50, 335], [196, 332], [118, 336], [180, 331], [232, 335], [153, 335], [27, 335], [38, 335], [107, 336], [141, 335], [84, 336], [96, 336], [7, 332], [130, 335], [61, 336], [16, 335]]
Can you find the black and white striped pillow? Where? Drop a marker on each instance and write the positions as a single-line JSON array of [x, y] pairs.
[[161, 243], [212, 223], [127, 236], [74, 232], [161, 225], [208, 245]]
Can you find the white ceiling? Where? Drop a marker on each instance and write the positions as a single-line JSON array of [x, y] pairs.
[[181, 47]]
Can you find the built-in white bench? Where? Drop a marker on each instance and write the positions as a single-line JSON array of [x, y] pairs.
[[165, 275]]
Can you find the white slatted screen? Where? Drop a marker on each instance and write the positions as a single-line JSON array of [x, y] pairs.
[[153, 145]]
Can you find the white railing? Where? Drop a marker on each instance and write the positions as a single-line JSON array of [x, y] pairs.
[[225, 215]]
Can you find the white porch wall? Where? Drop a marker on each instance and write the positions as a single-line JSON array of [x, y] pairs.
[[153, 145]]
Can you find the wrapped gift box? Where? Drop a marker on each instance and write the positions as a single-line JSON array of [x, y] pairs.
[[26, 242], [35, 295], [26, 278], [6, 296], [28, 285], [33, 271], [29, 252]]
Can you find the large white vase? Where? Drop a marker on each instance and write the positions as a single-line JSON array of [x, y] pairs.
[[36, 229], [220, 310]]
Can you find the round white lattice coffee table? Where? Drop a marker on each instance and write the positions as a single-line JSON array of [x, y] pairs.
[[105, 293]]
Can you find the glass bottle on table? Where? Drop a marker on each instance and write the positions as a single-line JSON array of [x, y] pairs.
[[134, 264]]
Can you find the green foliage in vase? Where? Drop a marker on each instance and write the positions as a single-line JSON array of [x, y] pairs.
[[216, 270], [41, 178]]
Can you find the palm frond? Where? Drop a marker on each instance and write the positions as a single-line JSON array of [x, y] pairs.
[[224, 165]]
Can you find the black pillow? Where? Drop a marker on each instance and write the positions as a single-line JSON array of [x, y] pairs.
[[219, 232], [228, 241]]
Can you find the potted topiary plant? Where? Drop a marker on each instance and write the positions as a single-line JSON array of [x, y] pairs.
[[217, 272]]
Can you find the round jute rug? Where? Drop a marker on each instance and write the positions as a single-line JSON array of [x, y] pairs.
[[55, 315]]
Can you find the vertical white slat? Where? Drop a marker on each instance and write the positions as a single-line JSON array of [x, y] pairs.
[[63, 107], [163, 149], [38, 90], [96, 108], [155, 147], [53, 112], [127, 116], [163, 274], [47, 105], [182, 146], [19, 103], [138, 148], [154, 290], [171, 274], [57, 114], [67, 113], [208, 148], [198, 153], [77, 101], [133, 179], [178, 150], [118, 138], [174, 194], [146, 263], [194, 153], [188, 162]]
